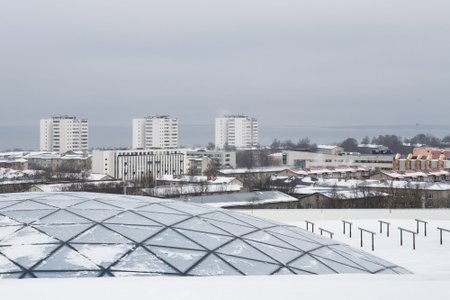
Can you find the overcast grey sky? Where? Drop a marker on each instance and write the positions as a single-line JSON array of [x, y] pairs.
[[318, 62]]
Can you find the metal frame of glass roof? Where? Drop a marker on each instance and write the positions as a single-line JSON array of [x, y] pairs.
[[95, 235]]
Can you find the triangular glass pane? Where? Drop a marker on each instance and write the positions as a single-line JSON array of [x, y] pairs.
[[156, 208], [366, 261], [328, 253], [166, 219], [100, 235], [180, 259], [387, 271], [7, 203], [282, 255], [310, 264], [213, 266], [192, 209], [66, 274], [267, 238], [232, 229], [199, 225], [92, 204], [60, 201], [27, 255], [28, 205], [26, 216], [103, 255], [130, 218], [5, 221], [340, 268], [300, 272], [27, 236], [284, 271], [299, 243], [132, 274], [96, 215], [135, 233], [308, 236], [11, 275], [207, 240], [8, 230], [251, 267], [7, 266], [63, 232], [400, 270], [128, 203], [66, 259], [141, 260], [252, 221], [241, 249], [219, 216], [62, 217], [171, 238]]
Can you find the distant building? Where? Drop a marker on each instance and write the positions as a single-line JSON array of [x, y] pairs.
[[155, 132], [236, 131], [303, 159], [435, 152], [250, 200], [70, 162], [177, 186], [329, 149], [13, 160], [221, 159], [373, 149], [64, 133], [198, 165], [139, 165]]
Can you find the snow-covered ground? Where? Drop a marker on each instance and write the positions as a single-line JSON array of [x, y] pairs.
[[430, 263], [428, 258]]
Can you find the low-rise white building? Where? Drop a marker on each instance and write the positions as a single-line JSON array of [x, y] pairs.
[[329, 149], [139, 165], [303, 159], [221, 159]]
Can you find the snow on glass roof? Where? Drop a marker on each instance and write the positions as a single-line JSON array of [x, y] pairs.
[[90, 235]]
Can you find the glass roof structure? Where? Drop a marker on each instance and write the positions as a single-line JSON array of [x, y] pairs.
[[93, 235]]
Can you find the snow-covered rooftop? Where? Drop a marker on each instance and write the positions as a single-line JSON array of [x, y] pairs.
[[253, 170], [241, 199]]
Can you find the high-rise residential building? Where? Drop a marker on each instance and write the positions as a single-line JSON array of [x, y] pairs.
[[155, 132], [236, 131], [64, 133]]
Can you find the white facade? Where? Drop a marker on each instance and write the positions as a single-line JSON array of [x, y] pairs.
[[236, 131], [64, 133], [155, 132], [303, 159], [138, 165], [221, 159]]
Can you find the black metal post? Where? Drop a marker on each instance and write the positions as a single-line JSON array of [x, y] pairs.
[[373, 242]]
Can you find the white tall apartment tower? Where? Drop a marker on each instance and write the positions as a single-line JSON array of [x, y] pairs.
[[64, 133], [237, 131], [155, 132]]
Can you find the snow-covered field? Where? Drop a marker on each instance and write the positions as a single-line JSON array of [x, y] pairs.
[[430, 263]]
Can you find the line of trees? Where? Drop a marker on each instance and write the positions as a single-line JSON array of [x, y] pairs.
[[394, 142]]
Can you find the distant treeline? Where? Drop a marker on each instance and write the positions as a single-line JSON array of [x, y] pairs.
[[395, 143]]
